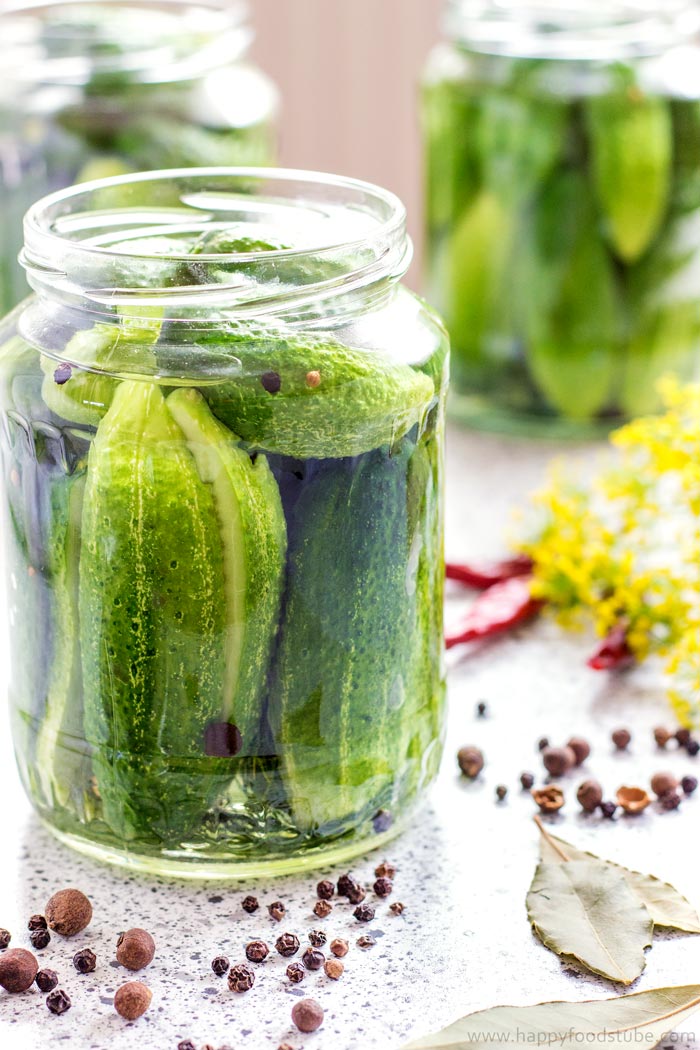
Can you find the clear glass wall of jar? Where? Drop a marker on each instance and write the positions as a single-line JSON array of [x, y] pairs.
[[562, 142], [222, 431], [94, 88]]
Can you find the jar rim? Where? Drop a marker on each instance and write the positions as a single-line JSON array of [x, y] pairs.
[[186, 39]]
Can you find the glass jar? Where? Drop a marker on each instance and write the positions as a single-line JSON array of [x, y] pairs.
[[562, 142], [94, 88], [222, 439]]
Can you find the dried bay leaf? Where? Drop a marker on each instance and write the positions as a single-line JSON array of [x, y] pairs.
[[586, 910], [649, 1015]]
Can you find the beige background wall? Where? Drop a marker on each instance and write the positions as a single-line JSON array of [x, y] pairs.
[[348, 70]]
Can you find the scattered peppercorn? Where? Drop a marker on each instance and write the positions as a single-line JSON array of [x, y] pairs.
[[683, 737], [313, 379], [383, 887], [325, 890], [671, 800], [250, 904], [689, 785], [46, 980], [364, 913], [285, 1046], [339, 947], [58, 1002], [608, 809], [287, 945], [662, 783], [527, 781], [186, 1044], [346, 883], [5, 938], [365, 941], [589, 795], [470, 761], [18, 968], [621, 738], [313, 959], [132, 1000], [135, 949], [40, 939], [662, 736], [693, 748], [37, 922], [385, 870], [397, 908], [333, 968], [241, 978], [581, 749], [549, 799], [85, 960], [558, 760], [256, 951], [633, 800], [68, 912], [322, 909], [220, 965], [271, 382], [296, 973], [317, 938], [277, 910], [501, 792], [357, 894], [307, 1015], [481, 709], [542, 743], [63, 373]]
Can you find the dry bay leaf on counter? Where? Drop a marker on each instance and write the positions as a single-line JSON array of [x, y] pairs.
[[653, 1014], [586, 910]]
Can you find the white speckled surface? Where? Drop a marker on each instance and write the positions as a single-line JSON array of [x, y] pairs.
[[464, 867]]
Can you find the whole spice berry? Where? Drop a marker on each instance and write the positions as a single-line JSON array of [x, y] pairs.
[[186, 1044], [313, 379], [277, 910], [397, 908], [5, 938], [558, 760], [470, 761], [549, 799], [307, 1015], [346, 883], [68, 912], [364, 913], [693, 747], [632, 799], [250, 904], [58, 1002], [37, 922], [39, 939], [287, 945], [366, 941], [339, 947], [132, 1000], [382, 821], [501, 792], [385, 870], [85, 960], [62, 374], [689, 785], [313, 959], [662, 783], [527, 781], [333, 968], [46, 980], [481, 709], [285, 1046], [271, 382], [621, 738], [220, 965], [296, 973], [671, 800], [581, 749], [589, 795], [322, 909], [383, 887], [317, 938], [662, 736], [542, 743], [18, 968], [256, 951], [241, 978], [608, 809], [357, 894], [135, 949], [683, 737], [325, 890]]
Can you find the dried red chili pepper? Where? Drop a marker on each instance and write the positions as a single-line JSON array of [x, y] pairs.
[[481, 577], [502, 606], [613, 653]]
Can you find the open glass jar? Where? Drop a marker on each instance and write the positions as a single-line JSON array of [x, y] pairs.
[[562, 144], [222, 431], [94, 88]]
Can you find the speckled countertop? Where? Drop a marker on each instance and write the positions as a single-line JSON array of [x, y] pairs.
[[463, 942]]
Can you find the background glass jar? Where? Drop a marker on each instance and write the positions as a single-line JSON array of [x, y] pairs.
[[562, 148], [222, 430], [94, 88]]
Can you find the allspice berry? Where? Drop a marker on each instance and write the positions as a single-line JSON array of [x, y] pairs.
[[662, 783], [558, 760], [581, 749], [307, 1015], [339, 947], [18, 968], [132, 1000], [68, 912], [589, 795], [334, 969], [662, 736], [471, 761], [621, 738], [632, 799], [135, 949]]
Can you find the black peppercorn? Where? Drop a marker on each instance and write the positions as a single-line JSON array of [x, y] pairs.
[[313, 959], [383, 887], [608, 809], [365, 941], [46, 980], [357, 894], [382, 821], [241, 978], [186, 1044], [317, 938], [671, 800], [501, 792], [220, 965], [277, 910], [39, 939], [61, 375], [527, 781], [296, 973], [287, 945], [5, 938], [256, 951], [250, 904], [325, 890], [683, 737], [397, 908], [542, 743], [689, 785], [323, 909], [385, 870], [364, 913], [58, 1002], [37, 922], [85, 960], [271, 382], [481, 709], [693, 747], [345, 884]]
